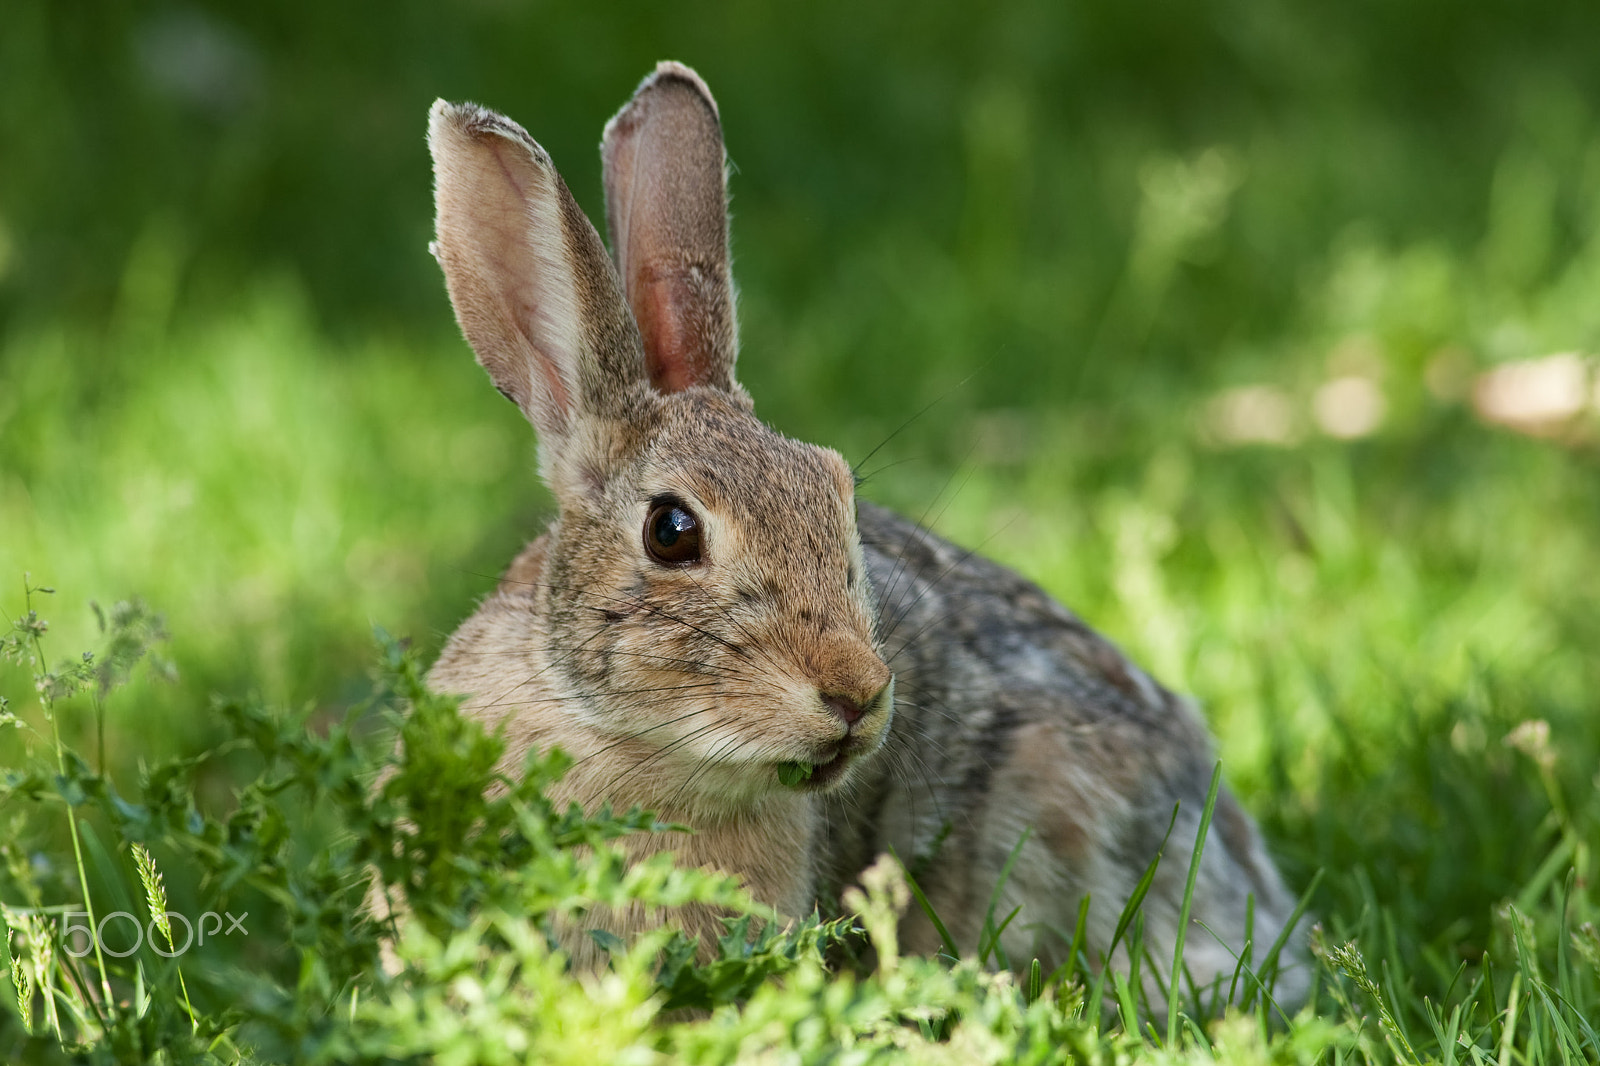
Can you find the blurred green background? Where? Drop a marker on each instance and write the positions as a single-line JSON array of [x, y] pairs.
[[1125, 246]]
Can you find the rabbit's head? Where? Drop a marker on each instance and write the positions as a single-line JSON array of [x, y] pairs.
[[704, 600]]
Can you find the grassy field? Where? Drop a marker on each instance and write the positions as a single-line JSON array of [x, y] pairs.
[[1268, 340]]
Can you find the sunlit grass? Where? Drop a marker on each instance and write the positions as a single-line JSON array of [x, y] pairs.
[[275, 493]]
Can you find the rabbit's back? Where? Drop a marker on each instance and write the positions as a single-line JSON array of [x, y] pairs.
[[1013, 717]]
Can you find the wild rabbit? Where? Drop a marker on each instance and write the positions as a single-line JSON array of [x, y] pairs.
[[716, 628]]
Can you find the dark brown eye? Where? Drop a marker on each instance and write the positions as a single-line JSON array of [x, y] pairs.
[[672, 534]]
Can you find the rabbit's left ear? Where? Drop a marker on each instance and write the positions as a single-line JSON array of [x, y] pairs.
[[667, 209]]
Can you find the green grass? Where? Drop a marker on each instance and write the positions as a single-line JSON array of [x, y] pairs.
[[229, 386], [1512, 977], [1371, 627]]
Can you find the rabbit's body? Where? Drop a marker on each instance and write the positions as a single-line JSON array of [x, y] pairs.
[[714, 629]]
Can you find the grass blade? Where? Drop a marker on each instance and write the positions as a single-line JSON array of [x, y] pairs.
[[1069, 969], [1267, 976], [927, 908], [1142, 889], [1129, 909], [1188, 902], [994, 940], [990, 935]]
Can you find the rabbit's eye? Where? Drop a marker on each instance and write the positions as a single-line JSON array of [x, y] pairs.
[[672, 534]]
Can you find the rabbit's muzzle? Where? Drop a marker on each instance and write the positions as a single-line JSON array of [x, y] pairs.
[[865, 722]]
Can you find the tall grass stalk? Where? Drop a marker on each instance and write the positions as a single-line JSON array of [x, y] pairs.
[[47, 705], [155, 893], [1188, 901]]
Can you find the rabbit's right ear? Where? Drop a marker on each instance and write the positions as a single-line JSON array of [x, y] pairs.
[[529, 279], [667, 208]]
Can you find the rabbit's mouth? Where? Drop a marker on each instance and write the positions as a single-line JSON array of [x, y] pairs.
[[865, 730], [820, 773]]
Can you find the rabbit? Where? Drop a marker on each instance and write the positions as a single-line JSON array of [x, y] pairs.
[[715, 627]]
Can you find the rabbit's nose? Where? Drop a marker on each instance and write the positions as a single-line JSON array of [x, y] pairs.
[[850, 708], [844, 707]]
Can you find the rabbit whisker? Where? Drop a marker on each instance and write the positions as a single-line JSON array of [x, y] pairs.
[[935, 583], [744, 631], [718, 755], [501, 700], [903, 610], [579, 696], [862, 479], [921, 531], [642, 732], [898, 767], [936, 401], [642, 605], [660, 753], [934, 706], [700, 668]]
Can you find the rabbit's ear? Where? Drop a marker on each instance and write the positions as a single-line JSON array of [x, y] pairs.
[[667, 208], [531, 285]]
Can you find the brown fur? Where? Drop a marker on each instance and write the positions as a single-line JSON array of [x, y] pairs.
[[683, 688]]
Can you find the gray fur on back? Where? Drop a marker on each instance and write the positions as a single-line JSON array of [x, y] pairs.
[[1012, 716]]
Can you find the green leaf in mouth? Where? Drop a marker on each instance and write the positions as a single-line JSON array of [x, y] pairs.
[[792, 773]]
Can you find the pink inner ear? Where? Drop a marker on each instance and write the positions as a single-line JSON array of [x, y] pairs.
[[671, 349]]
